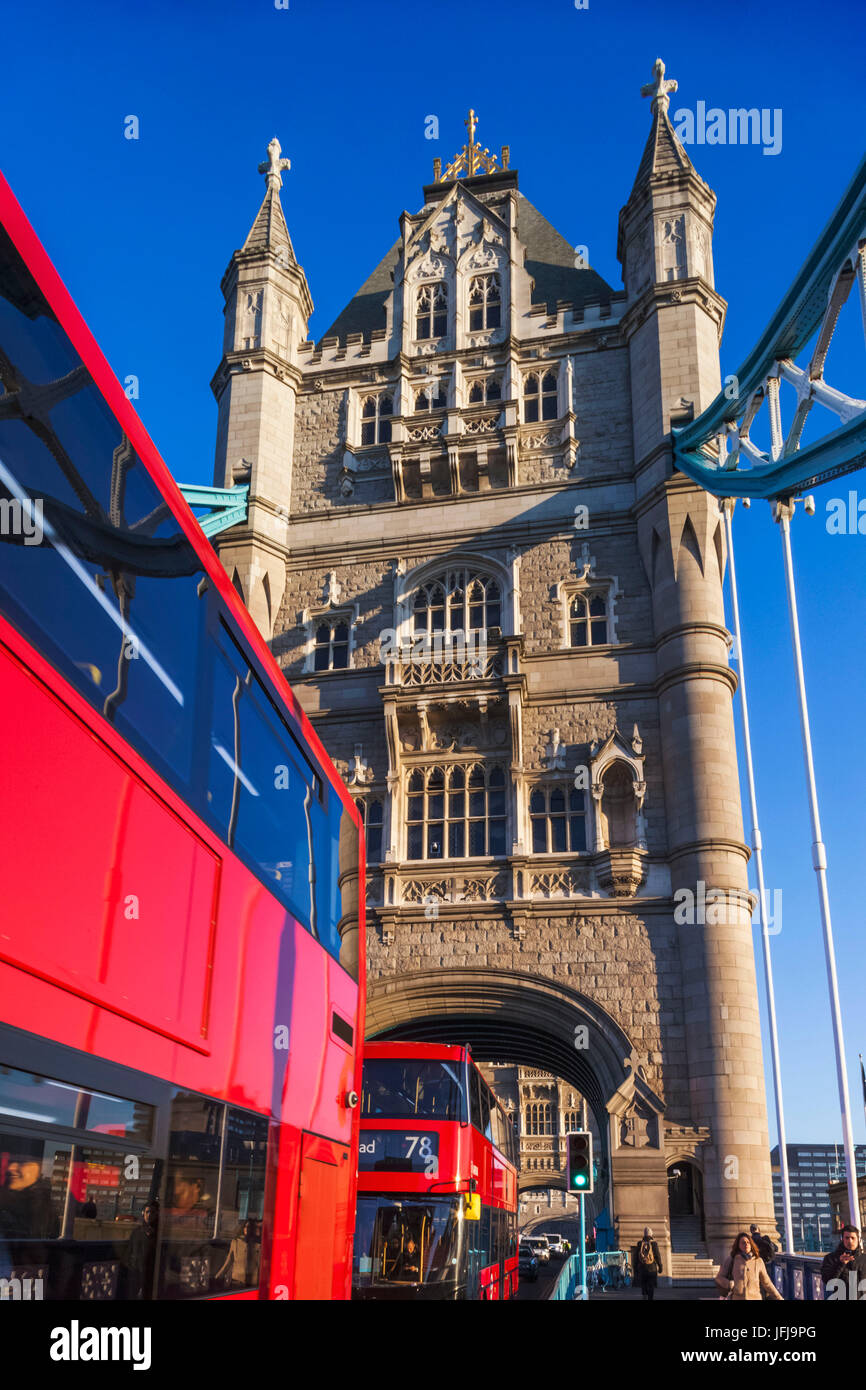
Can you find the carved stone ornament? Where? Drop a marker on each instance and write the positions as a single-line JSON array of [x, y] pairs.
[[554, 753], [332, 590], [360, 774]]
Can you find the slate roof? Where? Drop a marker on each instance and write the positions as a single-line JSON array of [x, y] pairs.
[[549, 262]]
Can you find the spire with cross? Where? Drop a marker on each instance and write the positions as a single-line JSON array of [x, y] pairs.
[[660, 88], [472, 159], [273, 166]]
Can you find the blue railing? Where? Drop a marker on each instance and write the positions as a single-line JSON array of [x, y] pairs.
[[607, 1270], [798, 1277]]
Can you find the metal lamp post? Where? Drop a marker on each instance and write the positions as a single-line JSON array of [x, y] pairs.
[[788, 1233], [782, 512]]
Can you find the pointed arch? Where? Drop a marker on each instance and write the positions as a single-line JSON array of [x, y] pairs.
[[689, 543], [719, 545]]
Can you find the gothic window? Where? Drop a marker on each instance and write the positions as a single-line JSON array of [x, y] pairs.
[[557, 814], [431, 312], [572, 1121], [539, 1118], [587, 620], [431, 397], [331, 644], [540, 397], [485, 303], [485, 392], [618, 820], [458, 601], [456, 812], [376, 413], [372, 817]]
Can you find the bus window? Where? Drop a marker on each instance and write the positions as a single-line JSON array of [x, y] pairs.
[[191, 1260], [101, 579], [485, 1099], [242, 1197], [259, 791], [69, 1214], [75, 1107], [410, 1241], [394, 1088]]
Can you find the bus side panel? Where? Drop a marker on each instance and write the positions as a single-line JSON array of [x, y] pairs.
[[77, 860], [322, 1072], [322, 1253]]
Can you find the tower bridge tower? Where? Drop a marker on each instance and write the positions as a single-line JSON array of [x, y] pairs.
[[502, 609]]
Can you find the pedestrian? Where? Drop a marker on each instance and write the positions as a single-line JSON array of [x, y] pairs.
[[845, 1267], [744, 1277], [647, 1264], [765, 1247]]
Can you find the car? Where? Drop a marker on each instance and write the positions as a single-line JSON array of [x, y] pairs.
[[527, 1262], [556, 1244], [540, 1248]]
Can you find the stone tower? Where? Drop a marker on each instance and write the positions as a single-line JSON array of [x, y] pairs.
[[673, 325], [502, 609], [268, 307]]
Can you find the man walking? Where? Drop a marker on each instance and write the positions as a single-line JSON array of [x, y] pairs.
[[844, 1269], [647, 1264]]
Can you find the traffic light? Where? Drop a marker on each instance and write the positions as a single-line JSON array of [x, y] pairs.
[[580, 1171]]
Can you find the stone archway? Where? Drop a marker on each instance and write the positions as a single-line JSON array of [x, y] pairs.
[[538, 1022]]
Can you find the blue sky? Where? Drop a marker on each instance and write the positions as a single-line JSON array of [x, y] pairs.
[[141, 232]]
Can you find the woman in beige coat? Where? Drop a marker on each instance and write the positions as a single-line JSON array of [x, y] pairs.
[[743, 1276]]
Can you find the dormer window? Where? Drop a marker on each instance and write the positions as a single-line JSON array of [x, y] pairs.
[[588, 620], [431, 397], [484, 392], [540, 397], [431, 312], [376, 415], [485, 303]]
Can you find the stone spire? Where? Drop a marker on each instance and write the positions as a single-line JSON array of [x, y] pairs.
[[663, 154], [267, 311], [269, 231]]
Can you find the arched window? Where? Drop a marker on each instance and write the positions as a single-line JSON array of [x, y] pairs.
[[557, 813], [485, 303], [461, 600], [331, 645], [483, 392], [456, 813], [372, 817], [573, 1121], [540, 397], [431, 397], [376, 413], [539, 1118], [587, 619], [431, 311], [618, 808]]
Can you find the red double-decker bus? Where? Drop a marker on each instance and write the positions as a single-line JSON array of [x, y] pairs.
[[181, 918], [437, 1179]]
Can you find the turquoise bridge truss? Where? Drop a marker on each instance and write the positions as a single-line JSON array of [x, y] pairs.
[[715, 449], [226, 505]]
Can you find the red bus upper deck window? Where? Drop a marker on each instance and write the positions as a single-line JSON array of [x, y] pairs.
[[396, 1088]]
